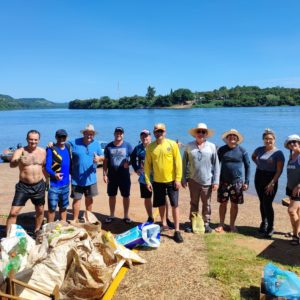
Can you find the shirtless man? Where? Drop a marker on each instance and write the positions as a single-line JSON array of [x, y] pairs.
[[31, 161]]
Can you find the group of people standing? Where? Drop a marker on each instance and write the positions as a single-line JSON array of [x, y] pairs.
[[162, 171]]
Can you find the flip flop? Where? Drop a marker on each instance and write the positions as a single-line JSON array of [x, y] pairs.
[[127, 221], [164, 228], [295, 241], [288, 234], [219, 229]]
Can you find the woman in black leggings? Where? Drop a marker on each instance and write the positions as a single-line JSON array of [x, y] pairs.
[[269, 164]]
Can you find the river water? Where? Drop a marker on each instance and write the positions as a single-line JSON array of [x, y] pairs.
[[249, 121]]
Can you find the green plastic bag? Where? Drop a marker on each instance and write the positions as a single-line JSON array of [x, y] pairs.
[[197, 223]]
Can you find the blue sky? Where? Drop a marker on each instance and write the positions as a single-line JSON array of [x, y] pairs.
[[68, 49]]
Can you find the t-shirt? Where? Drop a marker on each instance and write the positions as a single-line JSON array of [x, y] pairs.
[[232, 161], [267, 160], [201, 165], [83, 166], [65, 166], [163, 161], [116, 157], [293, 173]]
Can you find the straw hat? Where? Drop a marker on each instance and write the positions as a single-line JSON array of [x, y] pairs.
[[293, 137], [89, 127], [193, 131], [235, 132]]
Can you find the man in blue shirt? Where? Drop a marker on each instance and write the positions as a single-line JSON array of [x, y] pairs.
[[86, 154], [58, 166], [116, 173]]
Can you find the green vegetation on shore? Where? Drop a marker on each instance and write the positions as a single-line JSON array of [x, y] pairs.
[[8, 103], [238, 96]]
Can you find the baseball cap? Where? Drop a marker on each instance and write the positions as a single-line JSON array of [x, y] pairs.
[[145, 131], [119, 129], [159, 126], [61, 132]]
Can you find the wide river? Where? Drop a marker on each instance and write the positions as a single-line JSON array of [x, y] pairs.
[[249, 121]]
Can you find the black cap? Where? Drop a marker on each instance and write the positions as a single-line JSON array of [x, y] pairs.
[[119, 129], [61, 132]]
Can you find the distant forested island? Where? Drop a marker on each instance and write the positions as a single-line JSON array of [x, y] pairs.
[[8, 103], [238, 96]]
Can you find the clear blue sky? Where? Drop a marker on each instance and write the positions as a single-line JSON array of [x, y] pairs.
[[62, 50]]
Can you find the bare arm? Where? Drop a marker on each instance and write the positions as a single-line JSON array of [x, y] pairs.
[[105, 170], [16, 158]]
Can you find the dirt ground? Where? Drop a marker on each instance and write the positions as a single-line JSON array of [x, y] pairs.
[[173, 271]]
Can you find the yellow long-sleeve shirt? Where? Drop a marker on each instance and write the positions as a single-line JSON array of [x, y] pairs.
[[163, 161]]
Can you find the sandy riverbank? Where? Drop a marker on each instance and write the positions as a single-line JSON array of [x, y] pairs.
[[183, 266]]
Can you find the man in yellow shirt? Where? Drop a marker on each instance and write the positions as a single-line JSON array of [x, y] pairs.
[[163, 160]]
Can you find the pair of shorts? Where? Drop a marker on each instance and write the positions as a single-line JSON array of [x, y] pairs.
[[232, 191], [145, 193], [88, 191], [25, 191], [58, 195], [122, 183], [161, 189], [290, 194]]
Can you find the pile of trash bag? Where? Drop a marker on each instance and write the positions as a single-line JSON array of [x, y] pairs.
[[81, 258]]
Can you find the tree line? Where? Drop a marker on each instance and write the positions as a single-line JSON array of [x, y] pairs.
[[238, 96]]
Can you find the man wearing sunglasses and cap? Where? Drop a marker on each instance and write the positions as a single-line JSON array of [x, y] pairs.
[[201, 171], [163, 161], [58, 167]]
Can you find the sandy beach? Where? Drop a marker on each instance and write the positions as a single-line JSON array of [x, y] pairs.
[[173, 271]]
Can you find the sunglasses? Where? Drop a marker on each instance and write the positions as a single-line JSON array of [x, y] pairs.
[[292, 142], [202, 131], [62, 137], [199, 155], [159, 131]]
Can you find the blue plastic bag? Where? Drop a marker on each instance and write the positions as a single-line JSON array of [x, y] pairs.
[[146, 234], [281, 283]]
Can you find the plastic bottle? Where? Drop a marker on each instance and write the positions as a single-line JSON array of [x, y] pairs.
[[13, 264]]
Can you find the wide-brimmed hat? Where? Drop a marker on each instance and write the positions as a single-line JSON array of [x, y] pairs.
[[293, 137], [193, 131], [235, 132], [89, 127], [159, 126]]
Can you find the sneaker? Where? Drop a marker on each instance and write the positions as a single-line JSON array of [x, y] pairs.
[[170, 224], [208, 229], [150, 220], [188, 229], [262, 228], [177, 237], [268, 234]]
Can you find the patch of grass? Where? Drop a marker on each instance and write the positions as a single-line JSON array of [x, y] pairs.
[[237, 267]]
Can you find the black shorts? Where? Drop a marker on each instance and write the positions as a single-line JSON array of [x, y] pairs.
[[145, 193], [121, 182], [290, 194], [88, 191], [161, 189], [25, 191]]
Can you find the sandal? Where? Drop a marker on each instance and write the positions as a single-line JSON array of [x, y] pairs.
[[288, 234], [108, 220], [127, 221], [219, 229], [234, 230], [294, 241], [164, 228]]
